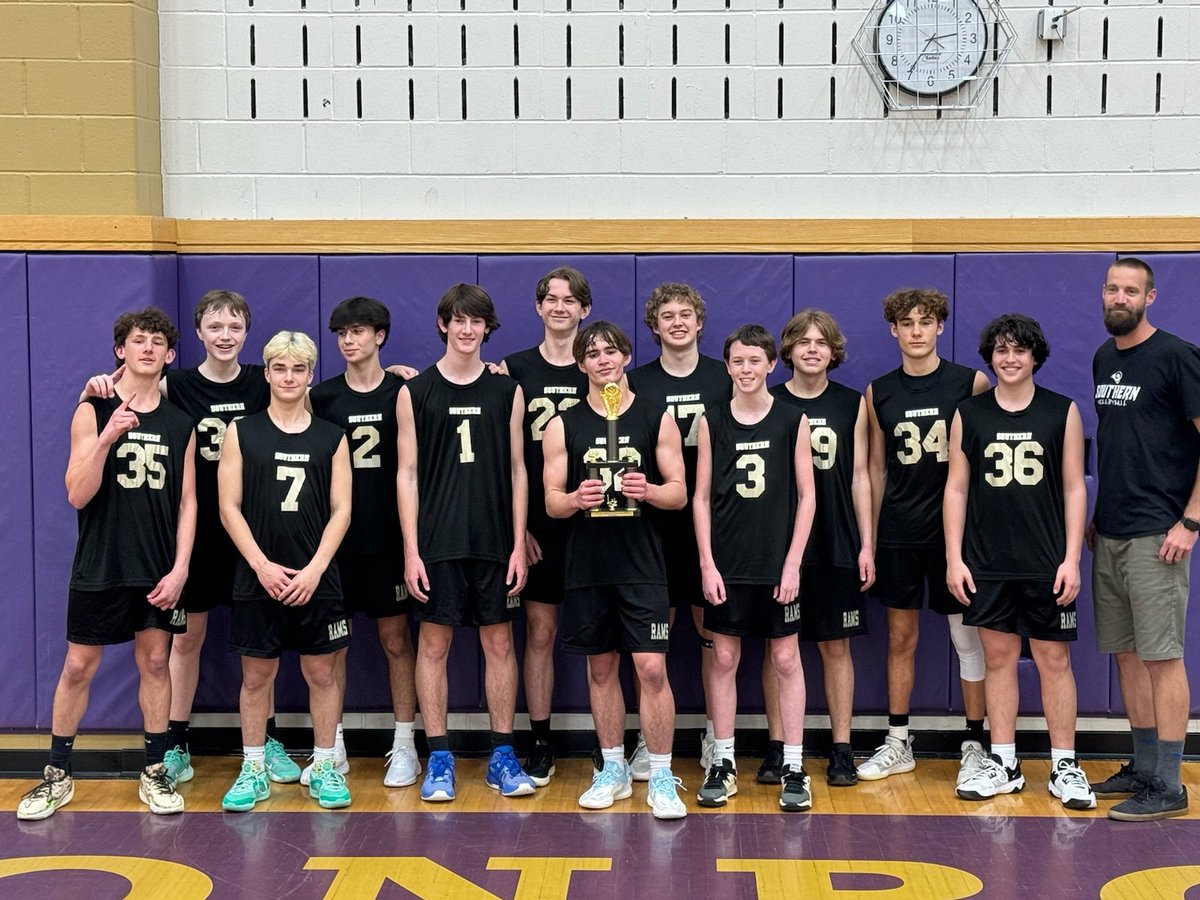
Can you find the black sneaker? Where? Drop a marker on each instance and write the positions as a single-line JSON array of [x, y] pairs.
[[1125, 782], [771, 770], [719, 786], [795, 795], [841, 771], [540, 764], [1154, 801]]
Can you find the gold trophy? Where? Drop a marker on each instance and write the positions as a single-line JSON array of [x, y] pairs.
[[616, 462]]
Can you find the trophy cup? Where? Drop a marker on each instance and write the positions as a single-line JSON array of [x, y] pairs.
[[610, 469]]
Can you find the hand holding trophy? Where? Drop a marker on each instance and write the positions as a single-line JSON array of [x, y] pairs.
[[612, 468]]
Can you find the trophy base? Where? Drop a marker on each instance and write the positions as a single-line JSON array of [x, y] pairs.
[[613, 513], [616, 505]]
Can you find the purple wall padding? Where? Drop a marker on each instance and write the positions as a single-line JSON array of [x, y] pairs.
[[410, 287], [17, 698], [852, 289], [281, 291], [1061, 291], [76, 298]]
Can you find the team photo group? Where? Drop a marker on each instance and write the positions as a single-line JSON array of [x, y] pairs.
[[598, 502]]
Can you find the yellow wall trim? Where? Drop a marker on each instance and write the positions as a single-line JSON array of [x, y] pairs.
[[158, 234]]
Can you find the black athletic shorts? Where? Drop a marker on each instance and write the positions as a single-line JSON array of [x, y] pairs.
[[833, 602], [902, 575], [749, 610], [1021, 606], [373, 585], [114, 616], [684, 582], [264, 628], [545, 581], [467, 592], [627, 618], [210, 577]]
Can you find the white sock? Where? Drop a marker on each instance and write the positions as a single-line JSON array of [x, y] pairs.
[[404, 734], [708, 729], [899, 732], [1057, 755], [339, 740], [1006, 752], [320, 753], [660, 761], [793, 756], [613, 754], [723, 749], [254, 754]]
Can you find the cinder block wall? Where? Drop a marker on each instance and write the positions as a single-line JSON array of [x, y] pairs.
[[79, 111]]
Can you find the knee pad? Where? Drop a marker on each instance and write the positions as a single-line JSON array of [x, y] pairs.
[[971, 664]]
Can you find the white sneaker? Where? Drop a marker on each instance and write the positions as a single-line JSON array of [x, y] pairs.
[[892, 757], [708, 747], [971, 762], [156, 791], [992, 779], [663, 795], [403, 768], [610, 784], [1070, 785], [639, 763], [340, 762], [55, 791]]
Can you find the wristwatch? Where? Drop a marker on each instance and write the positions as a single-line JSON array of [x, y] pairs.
[[1189, 524]]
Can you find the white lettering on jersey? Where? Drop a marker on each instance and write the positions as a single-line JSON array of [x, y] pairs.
[[365, 417], [916, 413], [465, 411], [291, 457], [682, 398], [752, 445], [227, 407], [144, 436], [568, 391], [1014, 435]]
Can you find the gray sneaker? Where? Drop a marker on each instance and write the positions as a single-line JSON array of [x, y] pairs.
[[720, 785], [1154, 801], [1125, 782], [795, 793]]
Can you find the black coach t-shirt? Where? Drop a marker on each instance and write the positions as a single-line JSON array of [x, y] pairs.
[[1147, 446]]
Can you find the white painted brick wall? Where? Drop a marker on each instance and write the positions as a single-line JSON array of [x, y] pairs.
[[223, 158]]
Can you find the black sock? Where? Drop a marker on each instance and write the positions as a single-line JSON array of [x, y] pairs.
[[541, 730], [842, 748], [442, 742], [60, 752], [272, 730], [975, 730], [178, 735], [156, 747], [897, 721], [500, 739]]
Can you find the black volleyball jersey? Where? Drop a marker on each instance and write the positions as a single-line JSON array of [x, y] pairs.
[[127, 530], [286, 480], [213, 405], [548, 390], [1147, 446], [464, 471], [835, 539], [915, 413], [1016, 526], [753, 496], [369, 420], [604, 551]]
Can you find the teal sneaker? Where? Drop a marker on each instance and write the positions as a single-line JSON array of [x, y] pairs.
[[281, 768], [328, 786], [251, 786], [179, 765]]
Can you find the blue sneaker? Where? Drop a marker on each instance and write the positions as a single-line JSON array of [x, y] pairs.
[[328, 786], [251, 787], [505, 774], [439, 778], [281, 768], [179, 765]]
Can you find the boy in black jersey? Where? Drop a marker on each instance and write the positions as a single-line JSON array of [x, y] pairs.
[[285, 494], [1014, 512], [132, 478], [1147, 516], [463, 501], [686, 382], [362, 402], [551, 382], [753, 508], [616, 580], [214, 393], [909, 410], [839, 560]]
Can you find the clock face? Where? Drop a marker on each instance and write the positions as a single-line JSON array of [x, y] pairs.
[[929, 47]]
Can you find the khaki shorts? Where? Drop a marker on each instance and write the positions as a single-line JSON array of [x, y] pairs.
[[1140, 601]]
